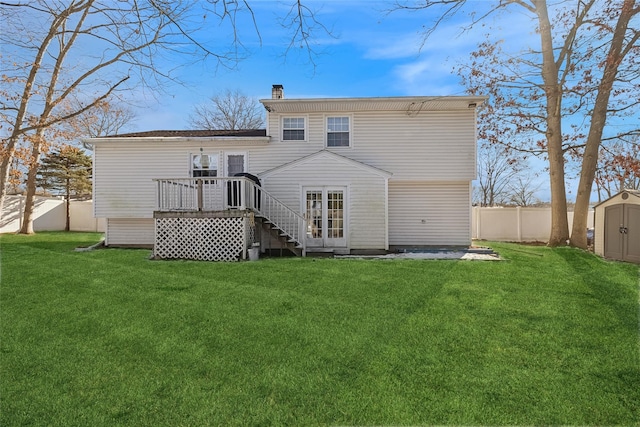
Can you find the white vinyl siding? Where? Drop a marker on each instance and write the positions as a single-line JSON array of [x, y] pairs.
[[366, 203], [130, 232], [430, 146], [431, 155], [124, 173], [427, 214], [123, 177]]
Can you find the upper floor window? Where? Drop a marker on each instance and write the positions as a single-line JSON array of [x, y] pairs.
[[338, 132], [204, 165], [293, 129]]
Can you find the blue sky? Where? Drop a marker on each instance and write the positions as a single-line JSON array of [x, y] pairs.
[[373, 53]]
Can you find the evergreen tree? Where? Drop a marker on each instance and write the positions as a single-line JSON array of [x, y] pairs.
[[66, 172]]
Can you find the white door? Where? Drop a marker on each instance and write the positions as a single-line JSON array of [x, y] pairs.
[[324, 210], [234, 163]]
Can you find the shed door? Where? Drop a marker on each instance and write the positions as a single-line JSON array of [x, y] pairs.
[[622, 232], [613, 226], [632, 236], [324, 210]]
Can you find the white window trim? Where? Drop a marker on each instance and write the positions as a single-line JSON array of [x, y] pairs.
[[346, 217], [295, 116], [225, 162], [215, 154], [326, 130]]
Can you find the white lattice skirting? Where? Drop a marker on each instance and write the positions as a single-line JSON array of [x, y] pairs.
[[206, 239]]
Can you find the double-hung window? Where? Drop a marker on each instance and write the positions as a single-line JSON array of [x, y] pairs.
[[338, 132], [293, 129]]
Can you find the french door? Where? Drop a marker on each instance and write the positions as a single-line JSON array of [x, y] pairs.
[[324, 210]]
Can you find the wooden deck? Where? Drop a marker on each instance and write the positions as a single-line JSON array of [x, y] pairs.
[[214, 207]]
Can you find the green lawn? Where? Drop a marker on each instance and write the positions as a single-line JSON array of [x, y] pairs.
[[108, 338]]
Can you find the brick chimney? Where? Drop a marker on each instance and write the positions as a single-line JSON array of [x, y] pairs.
[[277, 92]]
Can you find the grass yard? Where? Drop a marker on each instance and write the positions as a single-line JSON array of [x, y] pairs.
[[109, 338]]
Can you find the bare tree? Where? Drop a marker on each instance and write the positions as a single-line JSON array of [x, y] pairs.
[[229, 110], [584, 68], [105, 118], [301, 21], [623, 43], [45, 69], [496, 170], [56, 51], [523, 191]]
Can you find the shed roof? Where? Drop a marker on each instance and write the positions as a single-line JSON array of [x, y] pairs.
[[635, 193]]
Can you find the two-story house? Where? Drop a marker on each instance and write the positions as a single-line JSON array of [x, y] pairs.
[[344, 175]]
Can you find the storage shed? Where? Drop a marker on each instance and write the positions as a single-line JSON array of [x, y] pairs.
[[617, 227]]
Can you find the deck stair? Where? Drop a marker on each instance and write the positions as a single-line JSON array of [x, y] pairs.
[[286, 225], [287, 241]]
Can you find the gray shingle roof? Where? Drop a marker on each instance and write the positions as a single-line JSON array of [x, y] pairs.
[[192, 133]]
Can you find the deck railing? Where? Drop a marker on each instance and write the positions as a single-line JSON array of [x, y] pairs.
[[205, 194], [283, 217], [219, 194]]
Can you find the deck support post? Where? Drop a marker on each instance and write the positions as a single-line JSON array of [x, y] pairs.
[[200, 195]]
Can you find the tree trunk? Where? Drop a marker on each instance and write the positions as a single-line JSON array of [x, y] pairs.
[[598, 121], [553, 93], [27, 219], [559, 223], [67, 198], [67, 225], [587, 174]]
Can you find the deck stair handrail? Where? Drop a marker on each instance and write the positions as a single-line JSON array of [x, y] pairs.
[[281, 217], [223, 193]]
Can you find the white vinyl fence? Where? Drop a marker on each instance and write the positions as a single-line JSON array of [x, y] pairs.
[[499, 224], [516, 224], [50, 215]]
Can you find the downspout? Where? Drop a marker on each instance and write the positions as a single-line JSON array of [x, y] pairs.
[[386, 214]]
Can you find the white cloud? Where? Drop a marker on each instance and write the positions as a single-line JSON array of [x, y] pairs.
[[393, 46], [430, 75]]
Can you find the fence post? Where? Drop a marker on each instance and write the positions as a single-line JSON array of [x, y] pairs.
[[519, 222], [200, 195]]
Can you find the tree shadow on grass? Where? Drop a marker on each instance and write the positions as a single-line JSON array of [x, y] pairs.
[[614, 284]]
